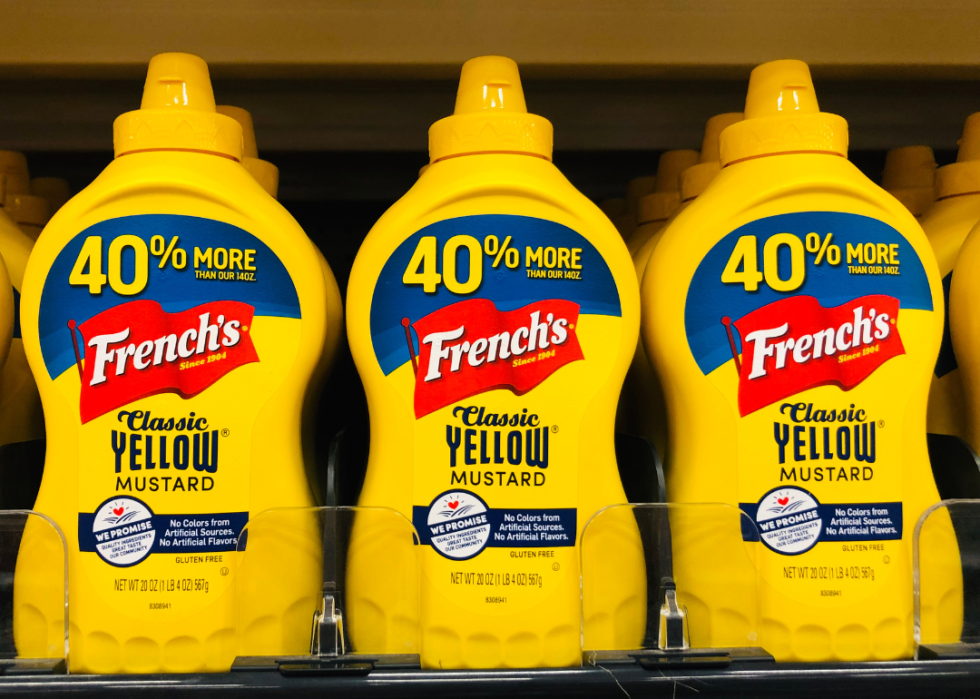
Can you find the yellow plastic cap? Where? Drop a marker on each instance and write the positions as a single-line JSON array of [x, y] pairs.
[[710, 145], [244, 118], [696, 179], [963, 176], [782, 116], [423, 169], [265, 173], [54, 189], [657, 206], [13, 166], [27, 209], [916, 199], [958, 178], [638, 188], [177, 112], [490, 116], [969, 143], [670, 166], [909, 167], [613, 207]]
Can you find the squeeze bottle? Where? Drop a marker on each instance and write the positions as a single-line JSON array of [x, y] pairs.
[[175, 314], [267, 175], [654, 208], [28, 211], [642, 389], [7, 313], [908, 176], [54, 190], [492, 370], [636, 189], [947, 223], [21, 417], [794, 314]]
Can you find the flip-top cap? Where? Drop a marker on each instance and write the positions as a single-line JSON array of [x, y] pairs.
[[696, 178], [490, 116], [13, 166], [963, 176], [670, 166], [909, 166], [177, 112], [637, 188], [27, 209], [909, 176], [657, 206], [782, 116], [711, 143], [54, 189], [262, 171]]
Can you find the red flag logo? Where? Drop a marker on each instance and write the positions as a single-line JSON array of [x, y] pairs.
[[794, 344], [137, 349], [470, 347]]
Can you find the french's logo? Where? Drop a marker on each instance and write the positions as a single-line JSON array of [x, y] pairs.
[[470, 347], [795, 344], [137, 349]]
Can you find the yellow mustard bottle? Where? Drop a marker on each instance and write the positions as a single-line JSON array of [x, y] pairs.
[[54, 190], [636, 189], [947, 223], [267, 175], [642, 390], [794, 313], [29, 211], [7, 312], [656, 207], [492, 313], [909, 176], [21, 417], [174, 315]]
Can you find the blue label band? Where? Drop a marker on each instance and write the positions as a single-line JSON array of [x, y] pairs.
[[877, 521], [124, 531], [501, 528]]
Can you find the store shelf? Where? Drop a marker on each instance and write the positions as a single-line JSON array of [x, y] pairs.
[[549, 38], [896, 680]]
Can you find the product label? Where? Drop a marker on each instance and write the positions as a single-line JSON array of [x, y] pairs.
[[807, 323], [497, 330], [167, 333]]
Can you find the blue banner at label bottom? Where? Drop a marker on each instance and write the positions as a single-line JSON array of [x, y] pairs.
[[459, 525], [790, 521], [123, 531]]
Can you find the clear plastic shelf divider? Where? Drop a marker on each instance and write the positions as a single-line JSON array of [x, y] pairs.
[[665, 583], [946, 581], [328, 588], [33, 594]]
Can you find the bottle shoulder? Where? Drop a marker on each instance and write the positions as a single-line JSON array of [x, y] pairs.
[[182, 184], [947, 224], [746, 192], [491, 184]]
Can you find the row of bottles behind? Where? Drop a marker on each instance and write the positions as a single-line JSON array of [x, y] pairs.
[[179, 327]]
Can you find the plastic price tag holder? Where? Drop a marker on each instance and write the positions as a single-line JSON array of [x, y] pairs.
[[671, 585], [946, 581], [328, 590], [33, 595]]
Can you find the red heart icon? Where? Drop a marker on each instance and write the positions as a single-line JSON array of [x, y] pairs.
[[118, 510], [782, 501], [453, 505]]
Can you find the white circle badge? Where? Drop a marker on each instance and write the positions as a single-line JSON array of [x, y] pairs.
[[789, 520], [459, 524], [123, 531]]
